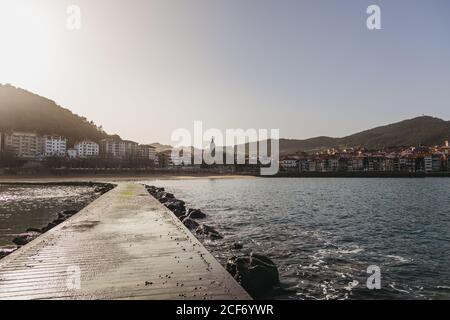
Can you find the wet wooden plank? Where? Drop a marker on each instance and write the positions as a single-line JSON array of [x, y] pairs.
[[125, 245]]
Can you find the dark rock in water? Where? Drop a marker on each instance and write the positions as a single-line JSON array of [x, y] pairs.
[[154, 190], [158, 195], [34, 230], [66, 214], [24, 238], [6, 251], [49, 226], [175, 204], [179, 212], [184, 216], [237, 245], [165, 197], [190, 224], [59, 220], [208, 231], [69, 212], [163, 200], [256, 273], [103, 188], [196, 214]]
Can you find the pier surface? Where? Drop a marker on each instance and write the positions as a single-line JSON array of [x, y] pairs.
[[124, 245]]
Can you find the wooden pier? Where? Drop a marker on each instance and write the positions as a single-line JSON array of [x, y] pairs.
[[124, 245]]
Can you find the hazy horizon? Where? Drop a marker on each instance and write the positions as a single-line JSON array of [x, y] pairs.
[[142, 69]]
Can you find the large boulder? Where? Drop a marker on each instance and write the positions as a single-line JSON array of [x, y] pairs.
[[24, 238], [179, 212], [237, 246], [190, 224], [163, 200], [165, 197], [102, 189], [175, 204], [154, 191], [208, 231], [196, 214], [49, 226], [6, 251], [66, 214], [256, 273]]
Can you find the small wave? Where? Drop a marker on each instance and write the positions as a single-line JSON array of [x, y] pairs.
[[357, 250], [400, 258], [443, 287], [392, 285], [351, 285]]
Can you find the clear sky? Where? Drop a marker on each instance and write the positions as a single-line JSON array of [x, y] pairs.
[[142, 68]]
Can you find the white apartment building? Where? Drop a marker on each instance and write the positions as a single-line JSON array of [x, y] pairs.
[[54, 146], [116, 148], [289, 163], [72, 153], [26, 145], [87, 149]]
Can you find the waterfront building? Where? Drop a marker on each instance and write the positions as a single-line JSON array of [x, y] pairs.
[[445, 148], [392, 162], [307, 165], [428, 163], [357, 163], [146, 152], [176, 159], [374, 163], [131, 148], [164, 159], [437, 162], [25, 145], [72, 153], [54, 146], [313, 165], [343, 164], [408, 163], [289, 163], [303, 165], [112, 148], [334, 164], [87, 149]]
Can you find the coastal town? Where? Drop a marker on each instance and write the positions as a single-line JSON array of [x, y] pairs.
[[396, 159], [30, 151]]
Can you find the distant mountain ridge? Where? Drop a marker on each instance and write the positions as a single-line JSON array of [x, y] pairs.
[[21, 110], [424, 130]]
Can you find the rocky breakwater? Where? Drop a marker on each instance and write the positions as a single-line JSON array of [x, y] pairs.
[[32, 233], [257, 273], [188, 216]]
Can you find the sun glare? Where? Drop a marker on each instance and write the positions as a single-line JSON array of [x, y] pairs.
[[27, 38]]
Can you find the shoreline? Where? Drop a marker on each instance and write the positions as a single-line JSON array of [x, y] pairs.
[[90, 178], [11, 179]]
